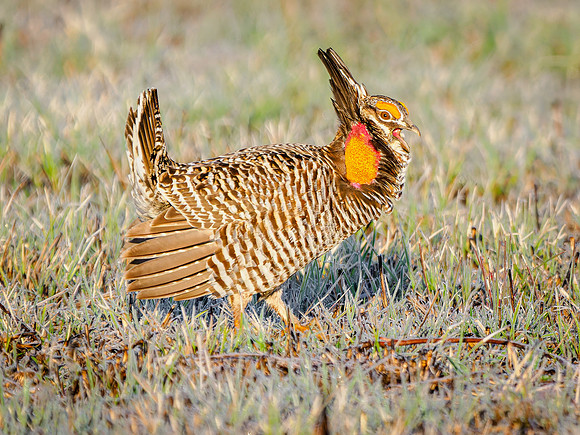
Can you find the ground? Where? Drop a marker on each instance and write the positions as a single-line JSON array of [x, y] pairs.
[[480, 252]]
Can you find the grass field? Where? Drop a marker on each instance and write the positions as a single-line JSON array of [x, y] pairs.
[[483, 244]]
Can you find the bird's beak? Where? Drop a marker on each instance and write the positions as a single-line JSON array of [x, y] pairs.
[[414, 128]]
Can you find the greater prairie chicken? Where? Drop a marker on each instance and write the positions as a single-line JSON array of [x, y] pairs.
[[243, 223]]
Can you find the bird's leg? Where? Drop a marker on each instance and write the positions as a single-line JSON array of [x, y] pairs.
[[238, 303], [274, 301]]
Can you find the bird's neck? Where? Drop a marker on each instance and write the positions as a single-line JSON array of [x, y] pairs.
[[385, 174], [355, 155]]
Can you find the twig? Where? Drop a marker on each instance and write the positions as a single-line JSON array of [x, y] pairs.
[[392, 342]]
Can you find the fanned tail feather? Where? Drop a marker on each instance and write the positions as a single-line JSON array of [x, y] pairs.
[[168, 258]]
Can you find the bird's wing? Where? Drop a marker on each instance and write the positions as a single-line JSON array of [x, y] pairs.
[[219, 209]]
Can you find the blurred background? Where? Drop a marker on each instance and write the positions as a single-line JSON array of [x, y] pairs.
[[494, 86]]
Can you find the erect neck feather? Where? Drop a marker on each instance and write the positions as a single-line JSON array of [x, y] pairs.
[[361, 158]]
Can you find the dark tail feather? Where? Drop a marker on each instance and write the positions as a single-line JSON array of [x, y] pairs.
[[147, 153]]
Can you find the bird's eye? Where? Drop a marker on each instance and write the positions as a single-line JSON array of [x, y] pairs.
[[385, 116], [390, 108]]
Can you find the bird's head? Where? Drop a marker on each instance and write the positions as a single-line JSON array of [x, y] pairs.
[[371, 128]]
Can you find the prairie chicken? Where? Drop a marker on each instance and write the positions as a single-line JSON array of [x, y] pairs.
[[243, 223]]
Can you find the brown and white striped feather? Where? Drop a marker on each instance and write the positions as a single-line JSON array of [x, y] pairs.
[[244, 222]]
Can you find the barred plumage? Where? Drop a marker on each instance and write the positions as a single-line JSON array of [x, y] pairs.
[[243, 223]]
